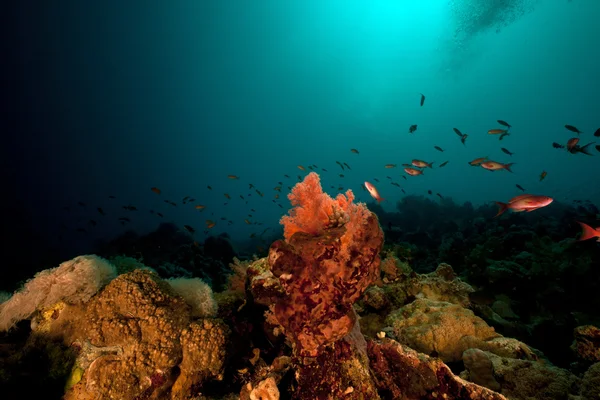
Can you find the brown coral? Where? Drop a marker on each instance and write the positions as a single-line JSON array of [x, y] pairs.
[[204, 345], [439, 328], [525, 379], [322, 277], [135, 340], [480, 369], [586, 345], [403, 374]]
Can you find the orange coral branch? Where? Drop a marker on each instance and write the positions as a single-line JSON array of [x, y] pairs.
[[312, 209]]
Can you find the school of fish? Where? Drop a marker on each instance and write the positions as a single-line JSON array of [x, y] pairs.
[[414, 168]]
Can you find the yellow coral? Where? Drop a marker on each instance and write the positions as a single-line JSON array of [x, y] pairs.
[[74, 378], [43, 321]]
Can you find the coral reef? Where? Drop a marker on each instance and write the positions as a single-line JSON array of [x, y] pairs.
[[330, 256], [402, 373], [136, 339], [439, 328], [321, 317], [74, 281], [586, 343]]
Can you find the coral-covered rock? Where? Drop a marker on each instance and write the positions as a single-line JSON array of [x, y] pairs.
[[590, 383], [263, 385], [134, 340], [503, 308], [375, 298], [139, 315], [392, 267], [587, 343], [322, 278], [525, 379], [265, 390], [503, 272], [479, 369], [338, 372], [439, 328], [204, 350], [264, 286], [446, 330], [403, 374], [509, 347], [440, 285]]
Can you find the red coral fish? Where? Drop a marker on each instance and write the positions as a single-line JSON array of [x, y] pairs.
[[373, 192], [524, 202], [588, 232]]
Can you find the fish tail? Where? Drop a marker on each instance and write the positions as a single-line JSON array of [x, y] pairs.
[[502, 207], [587, 232], [584, 148], [507, 166], [431, 164]]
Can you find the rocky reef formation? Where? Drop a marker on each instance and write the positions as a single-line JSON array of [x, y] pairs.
[[135, 339], [326, 315]]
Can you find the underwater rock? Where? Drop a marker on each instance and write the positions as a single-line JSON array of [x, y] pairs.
[[263, 385], [586, 345], [402, 373], [391, 267], [375, 298], [134, 340], [511, 348], [446, 330], [265, 390], [264, 286], [492, 318], [440, 285], [526, 379], [503, 309], [504, 272], [204, 345], [35, 369], [339, 371], [73, 282], [439, 328], [479, 369], [323, 275], [590, 383]]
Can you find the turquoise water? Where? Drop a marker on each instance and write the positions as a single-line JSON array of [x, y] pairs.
[[112, 99]]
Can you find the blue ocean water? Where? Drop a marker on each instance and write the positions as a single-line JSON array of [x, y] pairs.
[[112, 99]]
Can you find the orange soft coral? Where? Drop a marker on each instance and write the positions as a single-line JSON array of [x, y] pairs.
[[315, 210], [330, 255]]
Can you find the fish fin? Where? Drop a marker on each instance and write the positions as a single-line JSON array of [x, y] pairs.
[[507, 166], [502, 207], [520, 197], [587, 232], [379, 200], [584, 150]]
